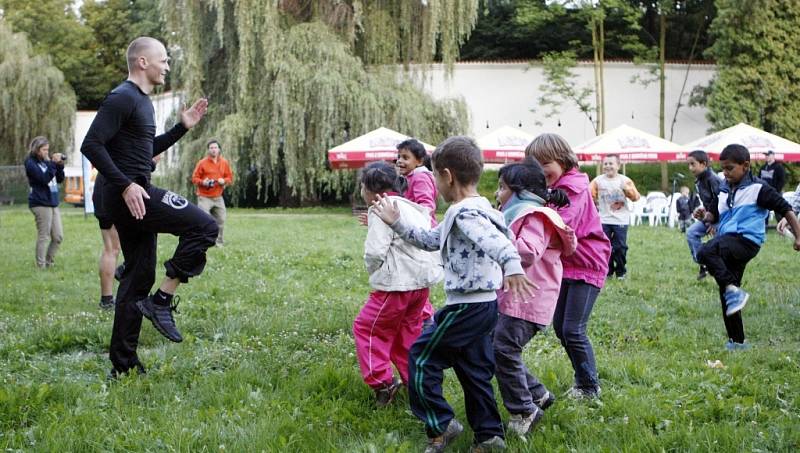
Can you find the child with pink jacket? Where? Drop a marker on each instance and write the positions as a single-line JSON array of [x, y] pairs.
[[542, 238], [585, 270]]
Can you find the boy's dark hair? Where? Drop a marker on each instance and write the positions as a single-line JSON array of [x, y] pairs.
[[212, 141], [736, 153], [615, 156], [700, 156], [462, 157], [529, 175], [417, 149], [380, 177]]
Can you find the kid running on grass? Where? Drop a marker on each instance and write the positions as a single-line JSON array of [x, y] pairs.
[[399, 275], [611, 191], [541, 237], [744, 203], [585, 270], [478, 259], [414, 164]]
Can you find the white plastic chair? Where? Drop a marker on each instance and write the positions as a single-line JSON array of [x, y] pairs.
[[657, 208], [672, 216], [638, 211]]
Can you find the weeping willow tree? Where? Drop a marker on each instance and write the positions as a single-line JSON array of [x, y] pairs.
[[35, 99], [287, 80]]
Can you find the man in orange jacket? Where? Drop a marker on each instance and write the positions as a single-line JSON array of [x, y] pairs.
[[211, 175]]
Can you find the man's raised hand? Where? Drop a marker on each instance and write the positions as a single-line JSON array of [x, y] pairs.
[[191, 116]]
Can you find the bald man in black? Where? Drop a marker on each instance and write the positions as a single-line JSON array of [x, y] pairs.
[[121, 144]]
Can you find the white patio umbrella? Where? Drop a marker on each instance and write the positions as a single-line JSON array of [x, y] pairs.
[[758, 142], [380, 144]]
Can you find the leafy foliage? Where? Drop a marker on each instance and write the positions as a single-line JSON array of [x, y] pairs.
[[757, 57], [34, 100], [286, 83], [88, 51]]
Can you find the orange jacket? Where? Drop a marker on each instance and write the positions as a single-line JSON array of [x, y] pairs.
[[207, 168]]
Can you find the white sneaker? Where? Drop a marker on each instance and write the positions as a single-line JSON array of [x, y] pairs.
[[521, 424]]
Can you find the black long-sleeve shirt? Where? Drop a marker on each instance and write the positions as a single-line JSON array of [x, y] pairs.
[[774, 174], [122, 142]]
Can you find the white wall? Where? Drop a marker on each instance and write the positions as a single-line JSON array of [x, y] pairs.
[[164, 105], [505, 93]]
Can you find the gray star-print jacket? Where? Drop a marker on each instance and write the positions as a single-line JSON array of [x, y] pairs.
[[475, 247]]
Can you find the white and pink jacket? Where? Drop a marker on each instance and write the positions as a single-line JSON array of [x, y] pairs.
[[542, 238]]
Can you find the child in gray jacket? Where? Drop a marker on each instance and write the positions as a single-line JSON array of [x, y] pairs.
[[478, 259]]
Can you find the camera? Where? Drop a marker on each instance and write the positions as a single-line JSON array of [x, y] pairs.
[[210, 183]]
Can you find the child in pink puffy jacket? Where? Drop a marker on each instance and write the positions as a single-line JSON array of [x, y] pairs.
[[542, 238]]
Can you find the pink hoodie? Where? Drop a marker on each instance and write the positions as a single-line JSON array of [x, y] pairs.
[[590, 261], [542, 239], [422, 190]]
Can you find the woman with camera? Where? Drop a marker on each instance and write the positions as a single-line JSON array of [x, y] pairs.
[[44, 174]]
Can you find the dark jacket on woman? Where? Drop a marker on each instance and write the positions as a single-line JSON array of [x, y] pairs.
[[40, 175]]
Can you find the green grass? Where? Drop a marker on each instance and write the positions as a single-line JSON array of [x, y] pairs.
[[268, 361]]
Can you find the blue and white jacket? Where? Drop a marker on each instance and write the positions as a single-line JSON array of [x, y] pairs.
[[743, 209], [475, 247]]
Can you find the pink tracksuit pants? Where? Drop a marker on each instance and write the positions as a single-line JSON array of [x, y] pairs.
[[384, 331]]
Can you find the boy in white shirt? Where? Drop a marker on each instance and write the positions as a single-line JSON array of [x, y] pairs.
[[611, 191]]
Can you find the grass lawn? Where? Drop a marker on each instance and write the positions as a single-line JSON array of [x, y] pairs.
[[268, 361]]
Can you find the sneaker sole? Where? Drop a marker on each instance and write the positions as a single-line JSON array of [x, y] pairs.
[[149, 315], [738, 309], [548, 401]]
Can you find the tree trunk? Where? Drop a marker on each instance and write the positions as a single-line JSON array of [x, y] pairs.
[[662, 39], [597, 90], [601, 52]]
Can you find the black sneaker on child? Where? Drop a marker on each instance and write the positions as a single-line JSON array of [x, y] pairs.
[[161, 317], [385, 395], [107, 302], [545, 400], [703, 272]]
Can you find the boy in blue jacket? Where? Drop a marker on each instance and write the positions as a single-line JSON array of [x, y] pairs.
[[744, 203], [478, 259]]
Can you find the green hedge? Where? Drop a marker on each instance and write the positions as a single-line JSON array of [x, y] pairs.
[[647, 177]]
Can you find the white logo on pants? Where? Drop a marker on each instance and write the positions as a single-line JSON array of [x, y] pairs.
[[174, 200]]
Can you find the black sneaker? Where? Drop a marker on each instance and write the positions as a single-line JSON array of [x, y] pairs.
[[107, 304], [545, 401], [703, 273], [119, 272], [114, 374], [385, 395], [161, 317]]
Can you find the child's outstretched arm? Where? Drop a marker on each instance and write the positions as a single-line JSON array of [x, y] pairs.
[[791, 219], [388, 211]]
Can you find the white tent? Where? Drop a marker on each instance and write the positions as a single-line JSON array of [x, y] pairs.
[[758, 142], [504, 144], [630, 144], [380, 144]]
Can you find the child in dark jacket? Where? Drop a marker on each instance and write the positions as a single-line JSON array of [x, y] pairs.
[[707, 185], [744, 203], [683, 206]]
